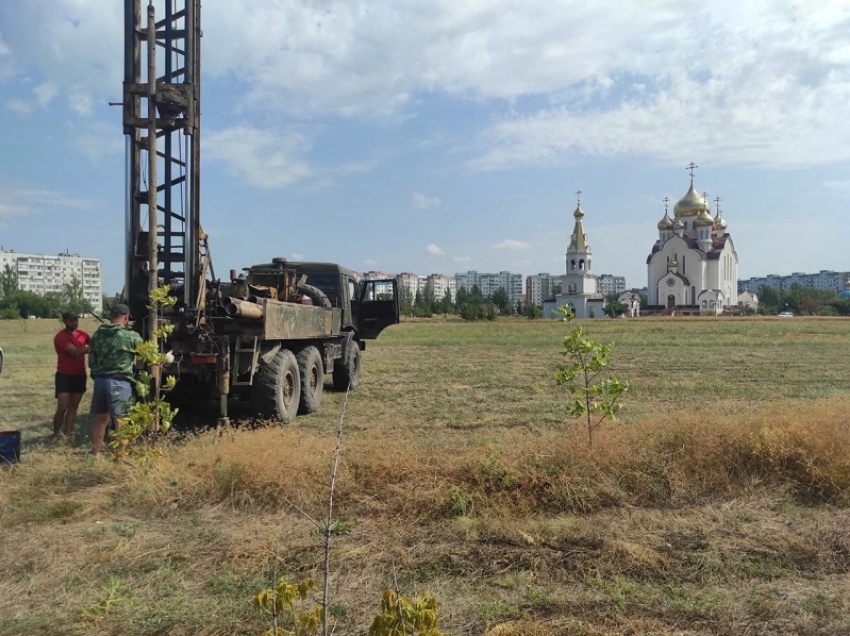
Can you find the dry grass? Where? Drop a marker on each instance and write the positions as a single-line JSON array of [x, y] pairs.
[[718, 505]]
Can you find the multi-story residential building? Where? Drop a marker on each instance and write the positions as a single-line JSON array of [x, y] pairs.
[[409, 285], [43, 274], [438, 285], [539, 287], [380, 288], [490, 283], [825, 279], [609, 284], [468, 280]]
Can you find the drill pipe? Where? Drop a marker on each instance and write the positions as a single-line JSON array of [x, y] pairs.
[[237, 308]]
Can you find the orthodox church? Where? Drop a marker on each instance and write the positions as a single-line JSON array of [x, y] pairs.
[[578, 285], [693, 266]]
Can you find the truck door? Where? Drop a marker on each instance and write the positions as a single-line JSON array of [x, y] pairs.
[[377, 307]]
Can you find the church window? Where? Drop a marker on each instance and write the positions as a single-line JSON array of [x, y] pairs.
[[573, 264], [686, 226], [572, 288], [704, 304], [581, 265]]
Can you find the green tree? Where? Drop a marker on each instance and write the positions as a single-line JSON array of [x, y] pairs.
[[613, 308], [445, 305], [74, 299], [556, 289], [502, 301], [23, 304], [533, 311], [462, 297], [405, 300], [594, 393], [8, 281]]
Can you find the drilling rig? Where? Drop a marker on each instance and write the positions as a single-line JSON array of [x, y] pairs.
[[267, 334]]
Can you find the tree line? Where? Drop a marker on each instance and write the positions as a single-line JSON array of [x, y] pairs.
[[801, 300]]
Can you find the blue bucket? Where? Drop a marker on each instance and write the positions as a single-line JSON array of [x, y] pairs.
[[10, 447]]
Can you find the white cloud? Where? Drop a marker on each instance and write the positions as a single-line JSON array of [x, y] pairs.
[[19, 106], [462, 259], [424, 202], [431, 248], [265, 158], [44, 93], [510, 244], [745, 82]]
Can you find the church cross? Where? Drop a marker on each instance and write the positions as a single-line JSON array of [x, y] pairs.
[[717, 201], [705, 198], [691, 167], [578, 195], [666, 200]]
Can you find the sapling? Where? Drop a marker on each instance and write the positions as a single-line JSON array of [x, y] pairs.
[[149, 413], [594, 394]]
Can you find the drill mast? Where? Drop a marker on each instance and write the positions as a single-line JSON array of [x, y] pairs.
[[162, 126]]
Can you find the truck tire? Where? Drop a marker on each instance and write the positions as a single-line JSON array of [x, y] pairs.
[[315, 294], [277, 388], [312, 373], [347, 368]]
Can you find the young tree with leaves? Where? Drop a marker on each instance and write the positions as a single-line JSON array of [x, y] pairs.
[[594, 393]]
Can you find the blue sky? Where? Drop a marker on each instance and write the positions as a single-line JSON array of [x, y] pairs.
[[442, 136]]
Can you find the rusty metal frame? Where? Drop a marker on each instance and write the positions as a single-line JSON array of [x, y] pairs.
[[164, 120]]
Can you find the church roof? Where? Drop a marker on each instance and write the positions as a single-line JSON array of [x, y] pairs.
[[692, 204], [578, 240]]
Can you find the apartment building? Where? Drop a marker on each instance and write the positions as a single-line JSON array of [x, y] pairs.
[[609, 284], [43, 274], [438, 285], [539, 287], [490, 283], [825, 279]]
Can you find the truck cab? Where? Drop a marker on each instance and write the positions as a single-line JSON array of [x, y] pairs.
[[368, 307]]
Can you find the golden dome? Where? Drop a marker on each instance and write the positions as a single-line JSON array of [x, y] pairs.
[[666, 223], [704, 220], [678, 225], [672, 264], [720, 222], [579, 213], [692, 204]]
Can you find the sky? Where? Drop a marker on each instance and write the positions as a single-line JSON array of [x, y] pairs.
[[446, 136]]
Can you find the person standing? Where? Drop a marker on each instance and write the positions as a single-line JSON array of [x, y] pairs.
[[72, 345], [112, 363]]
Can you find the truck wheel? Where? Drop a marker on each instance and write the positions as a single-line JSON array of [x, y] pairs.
[[347, 368], [312, 374], [277, 388]]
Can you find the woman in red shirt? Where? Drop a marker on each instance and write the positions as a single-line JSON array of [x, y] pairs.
[[72, 345]]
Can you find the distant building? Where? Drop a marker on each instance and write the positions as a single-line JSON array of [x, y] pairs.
[[438, 285], [825, 279], [608, 284], [748, 300], [693, 265], [540, 287], [490, 283], [43, 274]]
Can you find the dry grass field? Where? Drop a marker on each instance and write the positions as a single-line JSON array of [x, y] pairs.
[[716, 504]]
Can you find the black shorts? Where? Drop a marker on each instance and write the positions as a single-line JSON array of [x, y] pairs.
[[70, 383]]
